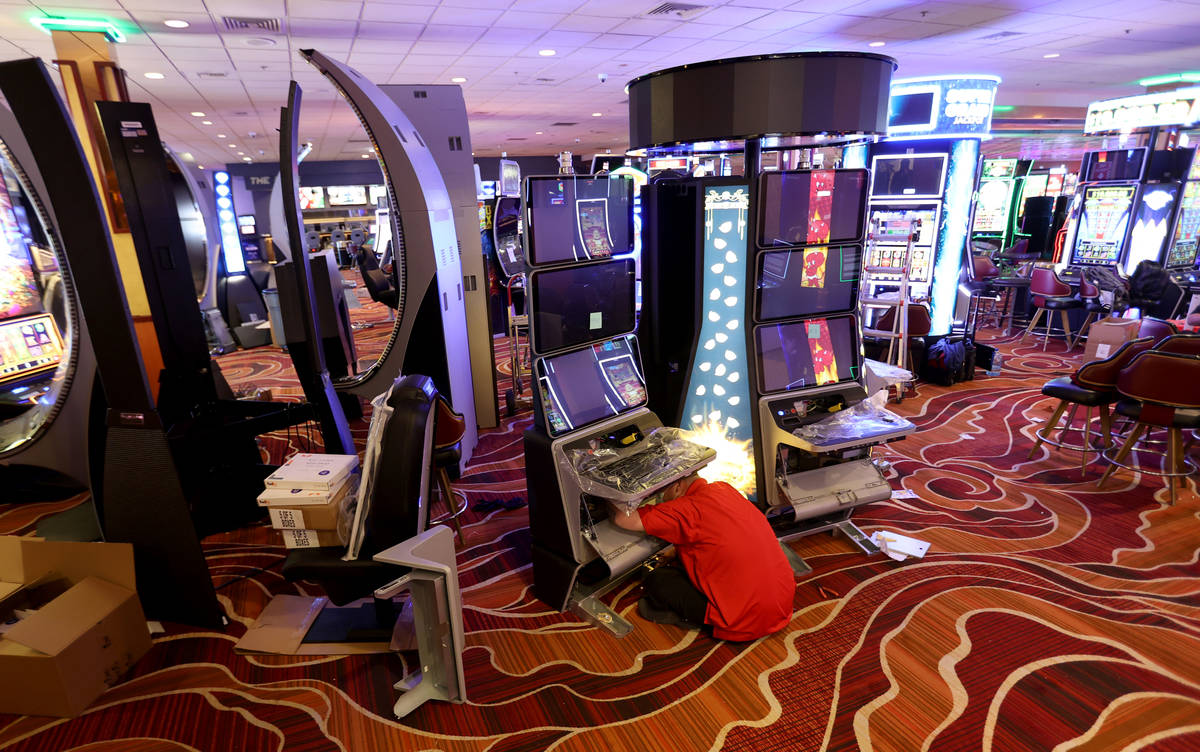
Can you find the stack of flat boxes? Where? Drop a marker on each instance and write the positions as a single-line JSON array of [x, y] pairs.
[[305, 496]]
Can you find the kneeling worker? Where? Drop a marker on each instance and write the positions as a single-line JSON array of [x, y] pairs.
[[735, 576]]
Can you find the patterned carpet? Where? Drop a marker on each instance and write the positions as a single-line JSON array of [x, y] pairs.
[[1046, 616]]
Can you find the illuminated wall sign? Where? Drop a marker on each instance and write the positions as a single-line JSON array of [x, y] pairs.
[[950, 107], [231, 241], [668, 163], [1179, 107]]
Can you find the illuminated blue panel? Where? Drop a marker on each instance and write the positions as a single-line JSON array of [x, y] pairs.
[[718, 397], [855, 156], [231, 241], [952, 233]]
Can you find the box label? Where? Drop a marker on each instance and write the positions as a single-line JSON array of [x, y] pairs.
[[1102, 351], [300, 539], [287, 519]]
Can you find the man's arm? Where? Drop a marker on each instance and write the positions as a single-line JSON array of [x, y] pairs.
[[625, 520]]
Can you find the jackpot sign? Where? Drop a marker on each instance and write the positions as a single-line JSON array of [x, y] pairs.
[[1179, 107], [952, 107]]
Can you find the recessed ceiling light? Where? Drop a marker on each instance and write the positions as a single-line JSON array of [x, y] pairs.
[[197, 114], [175, 23], [232, 146], [537, 133], [366, 156], [1050, 55], [199, 167], [547, 53], [220, 135], [241, 153], [205, 122], [259, 42], [154, 76], [458, 80], [876, 44], [246, 159], [597, 114]]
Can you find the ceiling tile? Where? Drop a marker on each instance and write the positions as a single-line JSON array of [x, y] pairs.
[[587, 24], [397, 13], [341, 9]]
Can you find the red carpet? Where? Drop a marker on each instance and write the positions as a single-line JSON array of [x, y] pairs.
[[1047, 615]]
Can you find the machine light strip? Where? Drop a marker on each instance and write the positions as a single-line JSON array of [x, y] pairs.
[[956, 213], [107, 28], [231, 241]]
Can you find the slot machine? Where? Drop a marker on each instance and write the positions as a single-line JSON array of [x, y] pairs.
[[1180, 258], [1102, 210], [593, 437], [999, 201]]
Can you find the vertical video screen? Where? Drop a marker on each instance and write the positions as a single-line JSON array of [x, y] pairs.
[[578, 218], [19, 291], [806, 353], [1102, 224], [807, 281], [581, 304], [581, 387], [811, 207]]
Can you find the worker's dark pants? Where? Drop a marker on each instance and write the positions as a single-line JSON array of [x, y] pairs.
[[669, 588]]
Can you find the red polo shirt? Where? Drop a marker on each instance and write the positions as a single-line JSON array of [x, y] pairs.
[[730, 553]]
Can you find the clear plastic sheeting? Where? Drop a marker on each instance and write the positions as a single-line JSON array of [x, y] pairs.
[[627, 477], [353, 516], [865, 420], [883, 375]]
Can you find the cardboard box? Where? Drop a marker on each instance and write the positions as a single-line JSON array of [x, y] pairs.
[[315, 471], [310, 538], [308, 516], [306, 496], [82, 627], [286, 620], [1105, 336]]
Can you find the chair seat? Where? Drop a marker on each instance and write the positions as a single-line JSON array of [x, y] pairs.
[[344, 581], [1058, 304], [1010, 282], [447, 456], [1092, 306], [1184, 417], [1064, 389]]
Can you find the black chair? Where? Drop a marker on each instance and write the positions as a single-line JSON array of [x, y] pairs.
[[449, 429], [399, 481], [379, 285]]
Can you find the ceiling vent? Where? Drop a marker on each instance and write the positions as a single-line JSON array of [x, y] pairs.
[[1001, 35], [676, 10], [564, 124], [517, 138], [245, 23], [212, 74]]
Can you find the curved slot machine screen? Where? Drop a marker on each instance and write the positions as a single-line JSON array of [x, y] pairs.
[[1187, 229], [28, 346], [507, 233], [582, 387], [581, 304], [19, 291], [807, 353], [811, 207], [578, 218], [805, 281], [1102, 223]]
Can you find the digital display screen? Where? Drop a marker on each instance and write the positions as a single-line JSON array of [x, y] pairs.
[[905, 175], [346, 195], [510, 178], [811, 207], [578, 218], [581, 304], [806, 353], [1054, 184], [1123, 164], [374, 193], [312, 198], [805, 281], [911, 109], [992, 206], [246, 224], [584, 386], [891, 251], [506, 231], [1035, 185], [1194, 172], [1155, 208], [999, 168], [28, 346], [1187, 228], [19, 293], [1103, 221]]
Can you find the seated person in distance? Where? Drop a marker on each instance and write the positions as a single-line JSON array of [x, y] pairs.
[[734, 574]]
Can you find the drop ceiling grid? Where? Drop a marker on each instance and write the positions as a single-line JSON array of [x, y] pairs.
[[1104, 47]]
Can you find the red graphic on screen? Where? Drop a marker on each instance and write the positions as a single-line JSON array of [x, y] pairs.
[[820, 206], [814, 266], [820, 345]]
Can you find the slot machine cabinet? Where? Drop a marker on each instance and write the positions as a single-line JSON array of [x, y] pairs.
[[590, 396]]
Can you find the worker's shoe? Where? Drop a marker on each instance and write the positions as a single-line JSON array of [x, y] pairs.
[[662, 615]]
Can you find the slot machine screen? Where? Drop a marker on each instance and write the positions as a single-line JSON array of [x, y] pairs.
[[507, 233], [908, 175], [28, 345], [805, 281], [1155, 208], [811, 207], [1102, 223], [1187, 229], [346, 195], [19, 292], [312, 198], [1116, 164], [806, 353], [375, 193], [581, 387], [909, 110], [580, 304], [572, 218], [992, 206], [1194, 172]]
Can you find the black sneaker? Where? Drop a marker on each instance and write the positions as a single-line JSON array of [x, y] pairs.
[[662, 615]]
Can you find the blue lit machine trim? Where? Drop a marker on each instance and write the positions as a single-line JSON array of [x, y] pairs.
[[952, 232], [718, 395], [231, 242]]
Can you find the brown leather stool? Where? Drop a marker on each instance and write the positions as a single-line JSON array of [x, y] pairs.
[[449, 429], [1049, 293]]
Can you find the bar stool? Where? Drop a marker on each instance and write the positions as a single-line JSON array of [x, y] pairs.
[[1184, 343], [1092, 305], [976, 278], [449, 429], [1049, 293], [1093, 385], [1159, 390]]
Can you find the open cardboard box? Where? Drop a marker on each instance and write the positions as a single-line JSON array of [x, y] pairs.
[[82, 627], [285, 623]]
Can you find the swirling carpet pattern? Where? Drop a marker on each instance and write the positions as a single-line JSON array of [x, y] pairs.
[[1047, 615]]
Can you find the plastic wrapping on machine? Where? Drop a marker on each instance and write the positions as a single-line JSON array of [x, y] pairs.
[[354, 514], [865, 421], [628, 476], [883, 375]]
